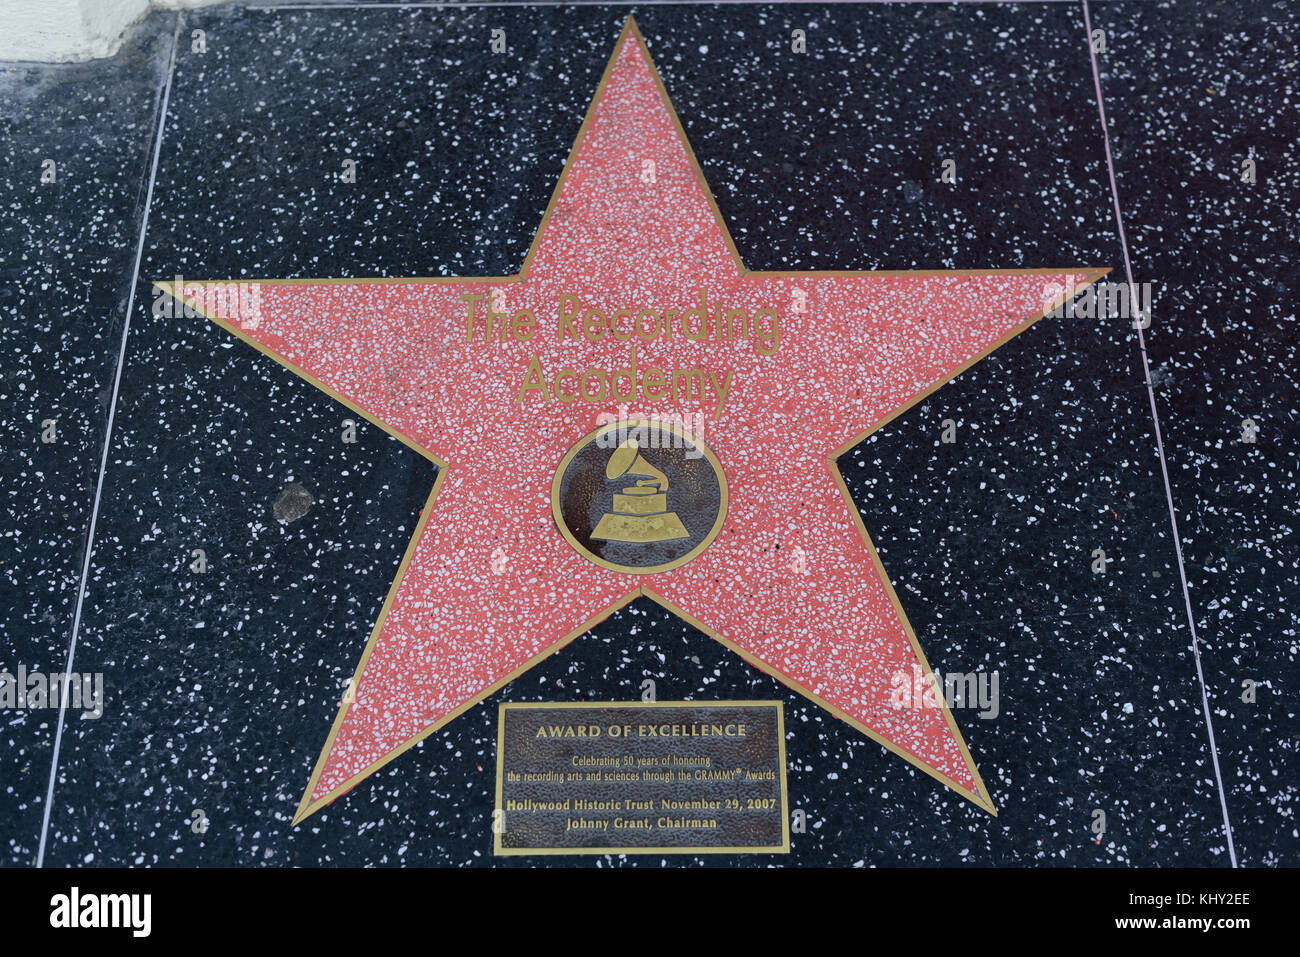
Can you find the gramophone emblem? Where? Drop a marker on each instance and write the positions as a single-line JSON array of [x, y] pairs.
[[640, 511]]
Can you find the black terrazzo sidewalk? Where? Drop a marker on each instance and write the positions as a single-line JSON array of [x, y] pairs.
[[221, 687]]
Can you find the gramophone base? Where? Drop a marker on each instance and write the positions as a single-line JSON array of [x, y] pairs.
[[664, 527]]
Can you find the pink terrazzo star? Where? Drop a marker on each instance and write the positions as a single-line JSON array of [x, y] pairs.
[[489, 586]]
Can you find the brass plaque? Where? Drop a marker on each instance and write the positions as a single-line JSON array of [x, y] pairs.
[[672, 777]]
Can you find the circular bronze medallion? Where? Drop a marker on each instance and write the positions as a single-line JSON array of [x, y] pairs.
[[639, 496]]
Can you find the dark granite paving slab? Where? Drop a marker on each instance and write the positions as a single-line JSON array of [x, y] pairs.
[[222, 685], [67, 248], [1190, 96]]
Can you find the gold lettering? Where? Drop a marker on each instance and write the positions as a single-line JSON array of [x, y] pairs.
[[654, 384], [613, 325], [523, 326], [768, 339], [567, 328], [731, 324], [720, 388], [693, 377], [469, 321], [533, 380], [595, 325], [600, 381], [565, 374], [654, 330]]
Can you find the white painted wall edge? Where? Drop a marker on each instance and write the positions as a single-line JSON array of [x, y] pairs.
[[60, 31]]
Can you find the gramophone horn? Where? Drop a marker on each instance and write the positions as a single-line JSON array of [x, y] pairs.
[[622, 459], [626, 461]]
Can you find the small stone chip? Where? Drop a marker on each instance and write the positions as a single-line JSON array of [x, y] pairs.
[[292, 504]]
